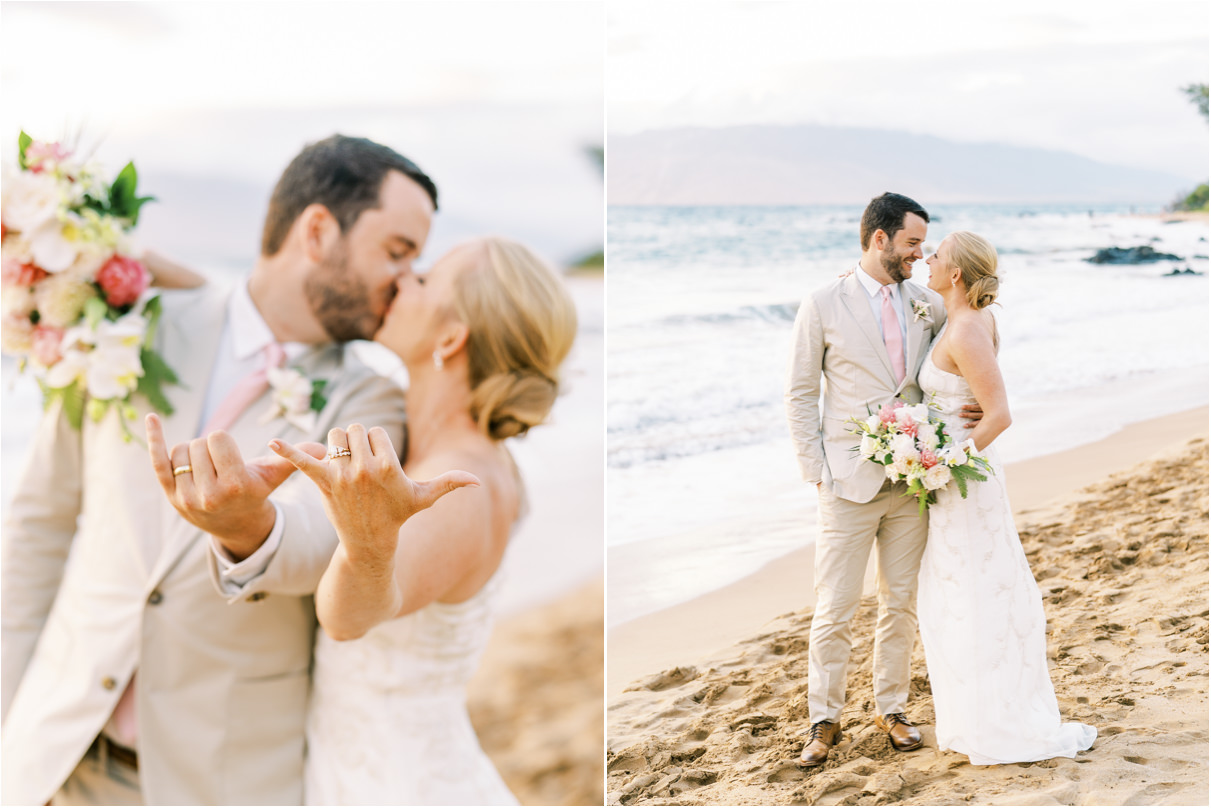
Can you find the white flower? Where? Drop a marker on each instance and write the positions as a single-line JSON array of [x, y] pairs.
[[902, 445], [61, 299], [16, 333], [918, 412], [17, 300], [937, 477], [30, 200], [874, 421], [953, 455], [114, 371], [870, 445], [921, 311], [16, 248], [904, 464], [928, 438], [291, 399], [73, 366], [891, 472], [51, 248]]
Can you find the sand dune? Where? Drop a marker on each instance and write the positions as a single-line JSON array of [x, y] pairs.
[[1122, 568]]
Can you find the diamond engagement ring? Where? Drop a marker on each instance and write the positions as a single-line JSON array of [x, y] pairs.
[[177, 471], [334, 453]]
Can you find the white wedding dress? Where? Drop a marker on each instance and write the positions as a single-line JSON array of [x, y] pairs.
[[387, 723], [981, 616]]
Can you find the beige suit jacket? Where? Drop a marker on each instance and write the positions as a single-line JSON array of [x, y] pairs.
[[101, 576], [839, 368]]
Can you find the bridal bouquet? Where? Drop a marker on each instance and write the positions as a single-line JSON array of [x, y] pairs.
[[74, 305], [914, 448]]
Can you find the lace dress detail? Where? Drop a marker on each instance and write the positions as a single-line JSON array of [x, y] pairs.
[[981, 617], [387, 723]]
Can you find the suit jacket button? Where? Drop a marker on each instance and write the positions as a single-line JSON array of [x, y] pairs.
[[255, 596], [155, 597], [109, 683]]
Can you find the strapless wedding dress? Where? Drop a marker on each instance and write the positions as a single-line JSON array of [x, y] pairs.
[[981, 616], [387, 723]]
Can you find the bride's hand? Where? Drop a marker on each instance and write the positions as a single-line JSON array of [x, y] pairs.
[[366, 493]]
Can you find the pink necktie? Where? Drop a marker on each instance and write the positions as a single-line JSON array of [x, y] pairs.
[[246, 391], [891, 336]]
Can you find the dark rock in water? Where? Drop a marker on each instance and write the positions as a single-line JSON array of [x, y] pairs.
[[1186, 271], [1130, 255]]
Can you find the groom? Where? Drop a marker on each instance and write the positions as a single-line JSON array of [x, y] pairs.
[[858, 344], [126, 678]]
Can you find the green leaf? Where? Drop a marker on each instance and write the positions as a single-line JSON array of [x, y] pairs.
[[152, 311], [23, 141], [94, 312], [124, 201], [318, 401], [96, 408], [961, 482], [73, 404], [156, 374]]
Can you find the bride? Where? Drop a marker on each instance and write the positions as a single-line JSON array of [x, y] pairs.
[[407, 600], [980, 611]]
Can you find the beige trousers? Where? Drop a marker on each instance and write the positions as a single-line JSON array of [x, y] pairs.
[[847, 531], [100, 780]]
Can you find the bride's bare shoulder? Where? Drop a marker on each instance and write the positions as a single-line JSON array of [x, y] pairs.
[[972, 330]]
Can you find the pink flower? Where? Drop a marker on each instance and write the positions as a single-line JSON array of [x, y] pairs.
[[122, 280], [39, 152], [909, 429], [928, 458], [15, 273], [47, 340], [887, 414]]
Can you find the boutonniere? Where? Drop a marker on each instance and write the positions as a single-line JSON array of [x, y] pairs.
[[921, 311], [295, 398]]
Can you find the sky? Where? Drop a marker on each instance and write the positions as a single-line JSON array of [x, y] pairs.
[[1100, 79], [497, 101]]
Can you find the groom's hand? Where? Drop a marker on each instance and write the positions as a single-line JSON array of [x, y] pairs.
[[211, 486], [972, 413]]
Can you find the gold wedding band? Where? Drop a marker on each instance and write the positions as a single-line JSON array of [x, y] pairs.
[[334, 453], [179, 470]]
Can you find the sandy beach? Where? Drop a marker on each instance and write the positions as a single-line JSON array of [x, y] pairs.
[[536, 700], [707, 699]]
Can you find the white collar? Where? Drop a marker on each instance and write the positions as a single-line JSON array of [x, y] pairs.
[[249, 331], [872, 286]]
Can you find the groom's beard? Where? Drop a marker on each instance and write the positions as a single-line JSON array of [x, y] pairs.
[[341, 301], [893, 265]]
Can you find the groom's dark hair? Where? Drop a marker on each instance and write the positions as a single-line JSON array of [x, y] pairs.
[[887, 213], [344, 174]]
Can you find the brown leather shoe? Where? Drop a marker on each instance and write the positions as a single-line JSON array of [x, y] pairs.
[[904, 736], [823, 736]]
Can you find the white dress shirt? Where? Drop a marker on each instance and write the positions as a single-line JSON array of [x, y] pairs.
[[245, 336], [873, 288]]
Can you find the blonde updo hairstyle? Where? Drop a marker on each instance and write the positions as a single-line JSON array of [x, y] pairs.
[[521, 323], [976, 259]]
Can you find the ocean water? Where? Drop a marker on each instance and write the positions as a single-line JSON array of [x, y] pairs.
[[702, 482]]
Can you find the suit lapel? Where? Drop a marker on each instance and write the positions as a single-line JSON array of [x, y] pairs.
[[190, 344], [253, 437], [918, 330], [858, 303]]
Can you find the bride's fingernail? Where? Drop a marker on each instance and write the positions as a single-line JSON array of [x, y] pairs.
[[274, 444]]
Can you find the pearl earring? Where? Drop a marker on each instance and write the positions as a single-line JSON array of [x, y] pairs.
[[437, 360], [953, 281]]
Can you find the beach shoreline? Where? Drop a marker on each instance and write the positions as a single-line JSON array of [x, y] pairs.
[[1122, 570], [660, 640]]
